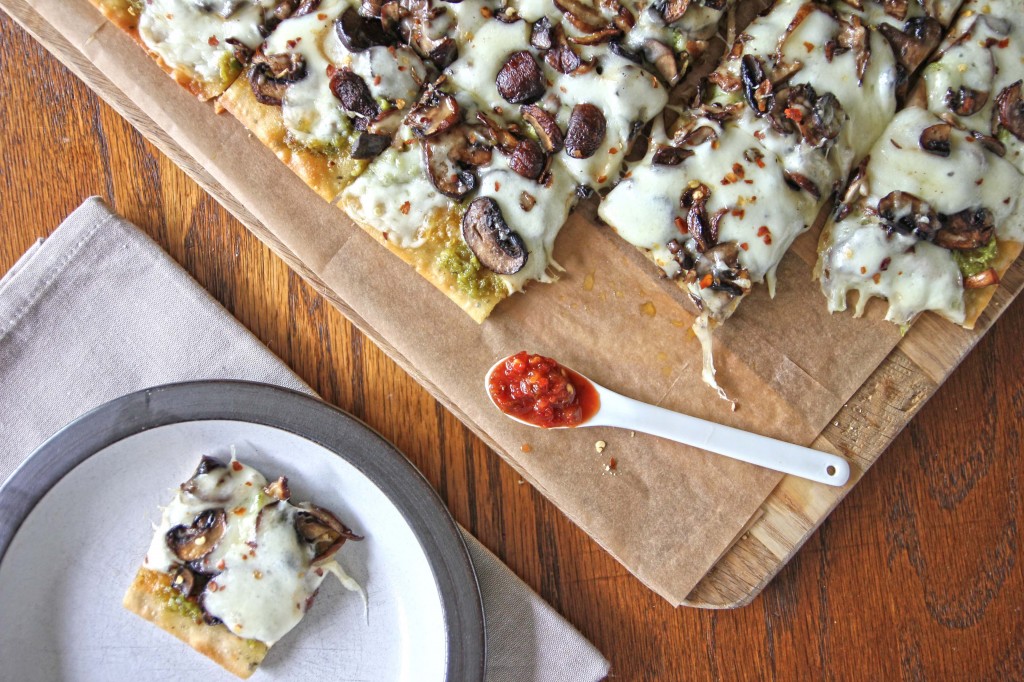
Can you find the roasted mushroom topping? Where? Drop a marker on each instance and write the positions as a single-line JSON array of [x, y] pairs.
[[183, 581], [935, 139], [270, 76], [370, 145], [966, 229], [322, 529], [586, 131], [527, 159], [663, 59], [355, 96], [906, 213], [498, 135], [897, 9], [279, 489], [693, 200], [756, 86], [1010, 109], [856, 188], [435, 113], [697, 136], [964, 101], [671, 10], [914, 43], [358, 33], [444, 53], [540, 34], [450, 159], [545, 126], [985, 278], [192, 543], [520, 80], [800, 181], [666, 155], [990, 143], [242, 52], [584, 17], [596, 38], [208, 491], [563, 59], [818, 120], [491, 240]]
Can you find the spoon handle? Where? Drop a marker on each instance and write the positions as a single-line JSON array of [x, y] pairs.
[[620, 411]]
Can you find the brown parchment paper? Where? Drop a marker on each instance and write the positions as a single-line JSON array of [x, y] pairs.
[[670, 511]]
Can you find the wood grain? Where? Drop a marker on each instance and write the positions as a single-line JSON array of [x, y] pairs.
[[915, 576]]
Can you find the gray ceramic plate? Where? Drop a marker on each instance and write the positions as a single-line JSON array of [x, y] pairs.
[[75, 521]]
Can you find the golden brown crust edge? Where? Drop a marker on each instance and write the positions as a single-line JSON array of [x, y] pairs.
[[424, 259], [326, 174], [147, 597], [122, 14]]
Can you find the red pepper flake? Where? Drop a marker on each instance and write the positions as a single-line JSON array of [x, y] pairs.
[[331, 70], [213, 42], [863, 270], [765, 234], [706, 281], [240, 511], [808, 46], [321, 16], [970, 138], [738, 213], [405, 208], [680, 225], [212, 586], [745, 246], [497, 185], [760, 162], [291, 44], [1006, 201], [376, 80], [613, 150], [715, 144], [753, 200], [759, 134], [794, 114], [486, 12], [737, 168], [749, 182], [979, 181], [245, 557], [1004, 43], [877, 277], [885, 264], [221, 565], [237, 466], [249, 483], [613, 464], [602, 179], [401, 68]]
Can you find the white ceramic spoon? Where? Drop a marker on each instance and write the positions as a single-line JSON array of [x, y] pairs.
[[625, 413]]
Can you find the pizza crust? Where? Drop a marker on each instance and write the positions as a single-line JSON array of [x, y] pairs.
[[147, 597], [326, 174]]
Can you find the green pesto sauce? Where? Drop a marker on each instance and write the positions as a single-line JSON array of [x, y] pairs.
[[179, 604], [229, 67], [976, 260], [469, 274]]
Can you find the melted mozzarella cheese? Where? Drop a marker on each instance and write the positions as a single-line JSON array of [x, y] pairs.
[[263, 574], [482, 55], [311, 112], [195, 40], [860, 255]]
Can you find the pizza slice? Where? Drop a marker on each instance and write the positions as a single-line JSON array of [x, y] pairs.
[[202, 44], [234, 564], [326, 92], [930, 223]]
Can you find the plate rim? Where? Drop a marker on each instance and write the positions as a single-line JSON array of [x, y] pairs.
[[304, 416]]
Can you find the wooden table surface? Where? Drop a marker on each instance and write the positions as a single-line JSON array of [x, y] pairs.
[[916, 576]]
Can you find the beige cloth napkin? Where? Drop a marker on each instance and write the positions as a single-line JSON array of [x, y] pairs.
[[98, 310]]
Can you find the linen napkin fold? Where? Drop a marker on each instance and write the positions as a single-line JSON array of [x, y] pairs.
[[98, 310]]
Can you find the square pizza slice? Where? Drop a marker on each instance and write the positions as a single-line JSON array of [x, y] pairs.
[[234, 564]]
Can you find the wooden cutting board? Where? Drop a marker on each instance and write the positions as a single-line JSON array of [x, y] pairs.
[[860, 431]]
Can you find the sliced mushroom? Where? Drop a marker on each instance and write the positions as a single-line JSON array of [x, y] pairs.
[[540, 34], [209, 489], [358, 33], [354, 95], [270, 76], [909, 214], [965, 230], [990, 143], [450, 159], [520, 80], [183, 581], [698, 136], [192, 543], [666, 155], [800, 181], [897, 9], [435, 113], [322, 529], [985, 278], [563, 59], [597, 37], [617, 47], [527, 159], [444, 53], [499, 136], [279, 489], [935, 139], [856, 188], [693, 200], [818, 120], [1010, 109], [545, 126], [586, 131], [584, 17], [242, 52], [672, 10], [370, 145], [964, 101], [663, 59], [489, 237], [756, 86], [914, 43]]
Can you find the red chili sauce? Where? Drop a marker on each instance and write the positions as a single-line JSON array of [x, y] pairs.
[[542, 392]]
